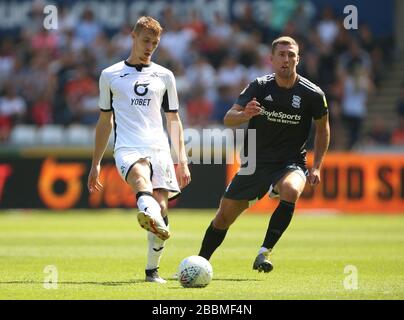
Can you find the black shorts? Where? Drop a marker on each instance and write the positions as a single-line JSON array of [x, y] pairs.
[[263, 180]]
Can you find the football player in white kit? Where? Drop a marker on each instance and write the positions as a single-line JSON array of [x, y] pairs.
[[131, 95]]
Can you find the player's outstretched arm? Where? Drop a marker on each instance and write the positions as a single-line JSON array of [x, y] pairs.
[[175, 130], [321, 142], [238, 115], [102, 132]]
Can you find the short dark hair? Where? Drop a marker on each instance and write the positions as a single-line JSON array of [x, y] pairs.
[[284, 40]]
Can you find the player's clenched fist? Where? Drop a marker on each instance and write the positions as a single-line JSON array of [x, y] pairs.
[[252, 108]]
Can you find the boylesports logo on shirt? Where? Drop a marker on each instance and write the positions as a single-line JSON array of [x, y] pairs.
[[281, 117]]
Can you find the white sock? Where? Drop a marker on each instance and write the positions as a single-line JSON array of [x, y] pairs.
[[155, 250], [148, 204], [263, 250]]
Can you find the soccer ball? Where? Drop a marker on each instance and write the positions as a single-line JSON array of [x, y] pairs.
[[195, 272]]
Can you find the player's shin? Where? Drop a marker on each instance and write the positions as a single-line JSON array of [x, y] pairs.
[[212, 240], [155, 250], [147, 203]]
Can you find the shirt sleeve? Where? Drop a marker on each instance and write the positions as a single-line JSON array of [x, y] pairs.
[[170, 97], [250, 92], [319, 107], [105, 100]]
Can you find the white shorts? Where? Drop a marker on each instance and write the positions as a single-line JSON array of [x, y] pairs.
[[162, 167]]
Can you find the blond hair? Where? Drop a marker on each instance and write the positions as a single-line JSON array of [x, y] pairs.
[[148, 23], [285, 41]]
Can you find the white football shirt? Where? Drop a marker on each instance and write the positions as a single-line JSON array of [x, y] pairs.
[[135, 94]]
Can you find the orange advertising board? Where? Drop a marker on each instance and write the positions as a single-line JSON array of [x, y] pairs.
[[350, 182]]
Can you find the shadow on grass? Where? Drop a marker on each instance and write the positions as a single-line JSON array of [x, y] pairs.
[[100, 283], [235, 280], [218, 279], [112, 283]]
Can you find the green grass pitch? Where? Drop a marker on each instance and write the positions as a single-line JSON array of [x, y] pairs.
[[101, 255]]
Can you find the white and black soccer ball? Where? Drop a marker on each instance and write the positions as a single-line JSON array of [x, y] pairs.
[[195, 272]]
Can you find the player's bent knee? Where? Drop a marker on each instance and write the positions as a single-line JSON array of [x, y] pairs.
[[290, 193], [221, 222], [140, 181]]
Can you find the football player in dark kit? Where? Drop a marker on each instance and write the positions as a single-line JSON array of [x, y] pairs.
[[280, 107]]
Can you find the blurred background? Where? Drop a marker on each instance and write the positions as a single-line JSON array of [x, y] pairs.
[[49, 86]]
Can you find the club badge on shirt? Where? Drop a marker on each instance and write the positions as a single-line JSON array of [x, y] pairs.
[[296, 101]]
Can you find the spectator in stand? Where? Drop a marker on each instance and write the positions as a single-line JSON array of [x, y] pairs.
[[231, 73], [37, 80], [66, 19], [195, 23], [87, 29], [342, 41], [327, 28], [357, 86], [12, 110], [397, 137], [201, 73], [400, 103], [220, 29], [177, 40], [378, 134], [45, 40], [68, 42], [310, 67], [88, 110], [355, 55], [199, 109], [78, 89], [336, 138], [34, 24], [259, 67], [282, 12], [40, 112], [248, 21], [64, 71], [224, 99], [302, 17], [122, 41], [7, 59]]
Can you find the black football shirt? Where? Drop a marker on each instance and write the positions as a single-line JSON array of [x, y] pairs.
[[283, 127]]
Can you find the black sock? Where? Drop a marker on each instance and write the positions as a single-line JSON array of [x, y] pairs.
[[278, 223], [213, 239], [166, 220], [151, 272]]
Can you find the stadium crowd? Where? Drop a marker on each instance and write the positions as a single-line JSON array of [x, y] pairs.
[[51, 77]]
